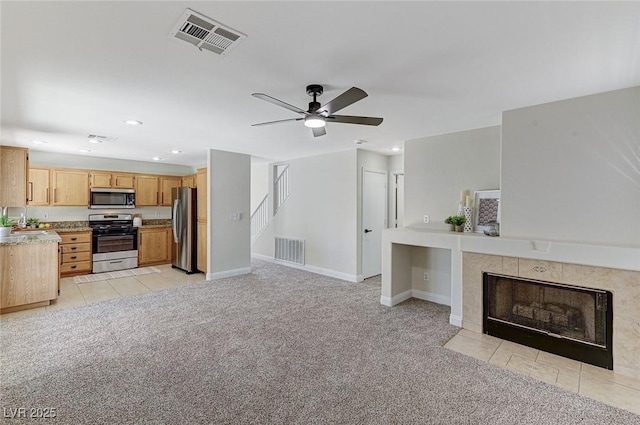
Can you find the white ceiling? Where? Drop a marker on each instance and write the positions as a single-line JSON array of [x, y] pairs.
[[70, 69]]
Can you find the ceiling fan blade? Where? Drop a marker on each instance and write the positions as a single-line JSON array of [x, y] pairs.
[[276, 122], [319, 131], [349, 119], [279, 103], [352, 95]]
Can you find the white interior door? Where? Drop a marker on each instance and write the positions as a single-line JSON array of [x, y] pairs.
[[374, 208]]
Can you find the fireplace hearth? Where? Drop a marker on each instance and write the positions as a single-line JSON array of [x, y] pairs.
[[570, 321]]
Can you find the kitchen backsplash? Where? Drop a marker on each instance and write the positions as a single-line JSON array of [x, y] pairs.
[[51, 214]]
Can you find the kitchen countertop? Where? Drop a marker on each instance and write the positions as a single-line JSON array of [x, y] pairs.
[[24, 238]]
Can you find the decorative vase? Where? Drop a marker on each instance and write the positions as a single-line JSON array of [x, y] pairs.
[[468, 215], [5, 231]]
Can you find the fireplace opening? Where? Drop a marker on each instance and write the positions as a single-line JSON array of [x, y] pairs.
[[570, 321]]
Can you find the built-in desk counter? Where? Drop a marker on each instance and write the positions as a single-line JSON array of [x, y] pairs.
[[400, 245]]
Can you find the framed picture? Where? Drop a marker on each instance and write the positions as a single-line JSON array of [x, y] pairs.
[[486, 209]]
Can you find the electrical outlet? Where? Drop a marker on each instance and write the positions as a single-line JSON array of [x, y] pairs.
[[425, 219], [45, 215], [426, 277]]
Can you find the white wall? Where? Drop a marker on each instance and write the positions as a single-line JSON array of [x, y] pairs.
[[322, 210], [259, 183], [437, 168], [229, 184], [436, 262], [571, 170]]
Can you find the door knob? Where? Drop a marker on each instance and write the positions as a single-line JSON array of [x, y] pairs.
[[368, 230]]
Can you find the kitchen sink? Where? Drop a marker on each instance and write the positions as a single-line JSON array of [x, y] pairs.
[[29, 232]]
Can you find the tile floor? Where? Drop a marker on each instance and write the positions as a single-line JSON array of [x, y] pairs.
[[591, 381], [74, 294]]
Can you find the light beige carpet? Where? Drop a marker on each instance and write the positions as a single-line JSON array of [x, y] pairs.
[[115, 275]]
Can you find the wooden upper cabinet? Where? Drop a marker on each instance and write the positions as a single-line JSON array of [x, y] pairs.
[[107, 179], [123, 180], [202, 193], [189, 181], [100, 179], [70, 187], [14, 168], [146, 190], [38, 186], [166, 184]]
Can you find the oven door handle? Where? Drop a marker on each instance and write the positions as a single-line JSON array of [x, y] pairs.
[[174, 221], [108, 235]]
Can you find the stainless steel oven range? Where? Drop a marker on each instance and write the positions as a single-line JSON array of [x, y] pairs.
[[115, 242]]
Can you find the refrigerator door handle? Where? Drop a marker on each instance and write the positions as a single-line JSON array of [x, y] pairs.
[[174, 221]]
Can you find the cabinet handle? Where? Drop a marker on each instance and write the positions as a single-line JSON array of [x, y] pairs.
[[73, 267], [47, 192], [73, 248], [116, 182], [74, 257], [74, 239], [30, 191], [55, 198]]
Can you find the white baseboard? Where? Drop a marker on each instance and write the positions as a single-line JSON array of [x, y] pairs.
[[397, 299], [228, 273], [430, 296], [421, 295], [312, 269], [455, 320]]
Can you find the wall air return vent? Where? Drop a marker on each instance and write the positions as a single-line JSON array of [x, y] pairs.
[[205, 33]]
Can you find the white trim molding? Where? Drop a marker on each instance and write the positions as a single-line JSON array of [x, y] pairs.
[[430, 296], [228, 273], [312, 269]]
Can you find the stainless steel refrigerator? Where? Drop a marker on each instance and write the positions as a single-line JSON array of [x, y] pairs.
[[184, 229]]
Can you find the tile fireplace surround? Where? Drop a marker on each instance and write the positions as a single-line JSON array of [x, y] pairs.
[[613, 269]]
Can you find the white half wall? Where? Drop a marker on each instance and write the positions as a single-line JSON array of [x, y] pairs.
[[437, 168], [571, 170]]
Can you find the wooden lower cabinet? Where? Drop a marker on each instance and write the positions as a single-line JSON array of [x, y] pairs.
[[29, 275], [75, 250], [202, 246], [154, 246]]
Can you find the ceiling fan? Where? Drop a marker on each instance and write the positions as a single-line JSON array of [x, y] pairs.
[[316, 117]]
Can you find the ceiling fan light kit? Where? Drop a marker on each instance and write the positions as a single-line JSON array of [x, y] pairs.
[[315, 121], [316, 116]]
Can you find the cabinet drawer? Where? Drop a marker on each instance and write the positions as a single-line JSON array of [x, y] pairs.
[[76, 257], [75, 238], [81, 266], [75, 247]]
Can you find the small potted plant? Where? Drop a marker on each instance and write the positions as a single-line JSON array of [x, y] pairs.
[[32, 223], [456, 222], [5, 225]]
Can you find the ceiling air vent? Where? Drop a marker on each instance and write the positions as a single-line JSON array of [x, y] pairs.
[[205, 33], [94, 138]]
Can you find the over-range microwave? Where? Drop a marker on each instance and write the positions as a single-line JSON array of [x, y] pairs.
[[111, 198]]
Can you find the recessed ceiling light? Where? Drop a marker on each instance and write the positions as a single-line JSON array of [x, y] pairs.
[[396, 149], [95, 141], [156, 158], [133, 122], [38, 142], [85, 150], [360, 142], [175, 151]]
